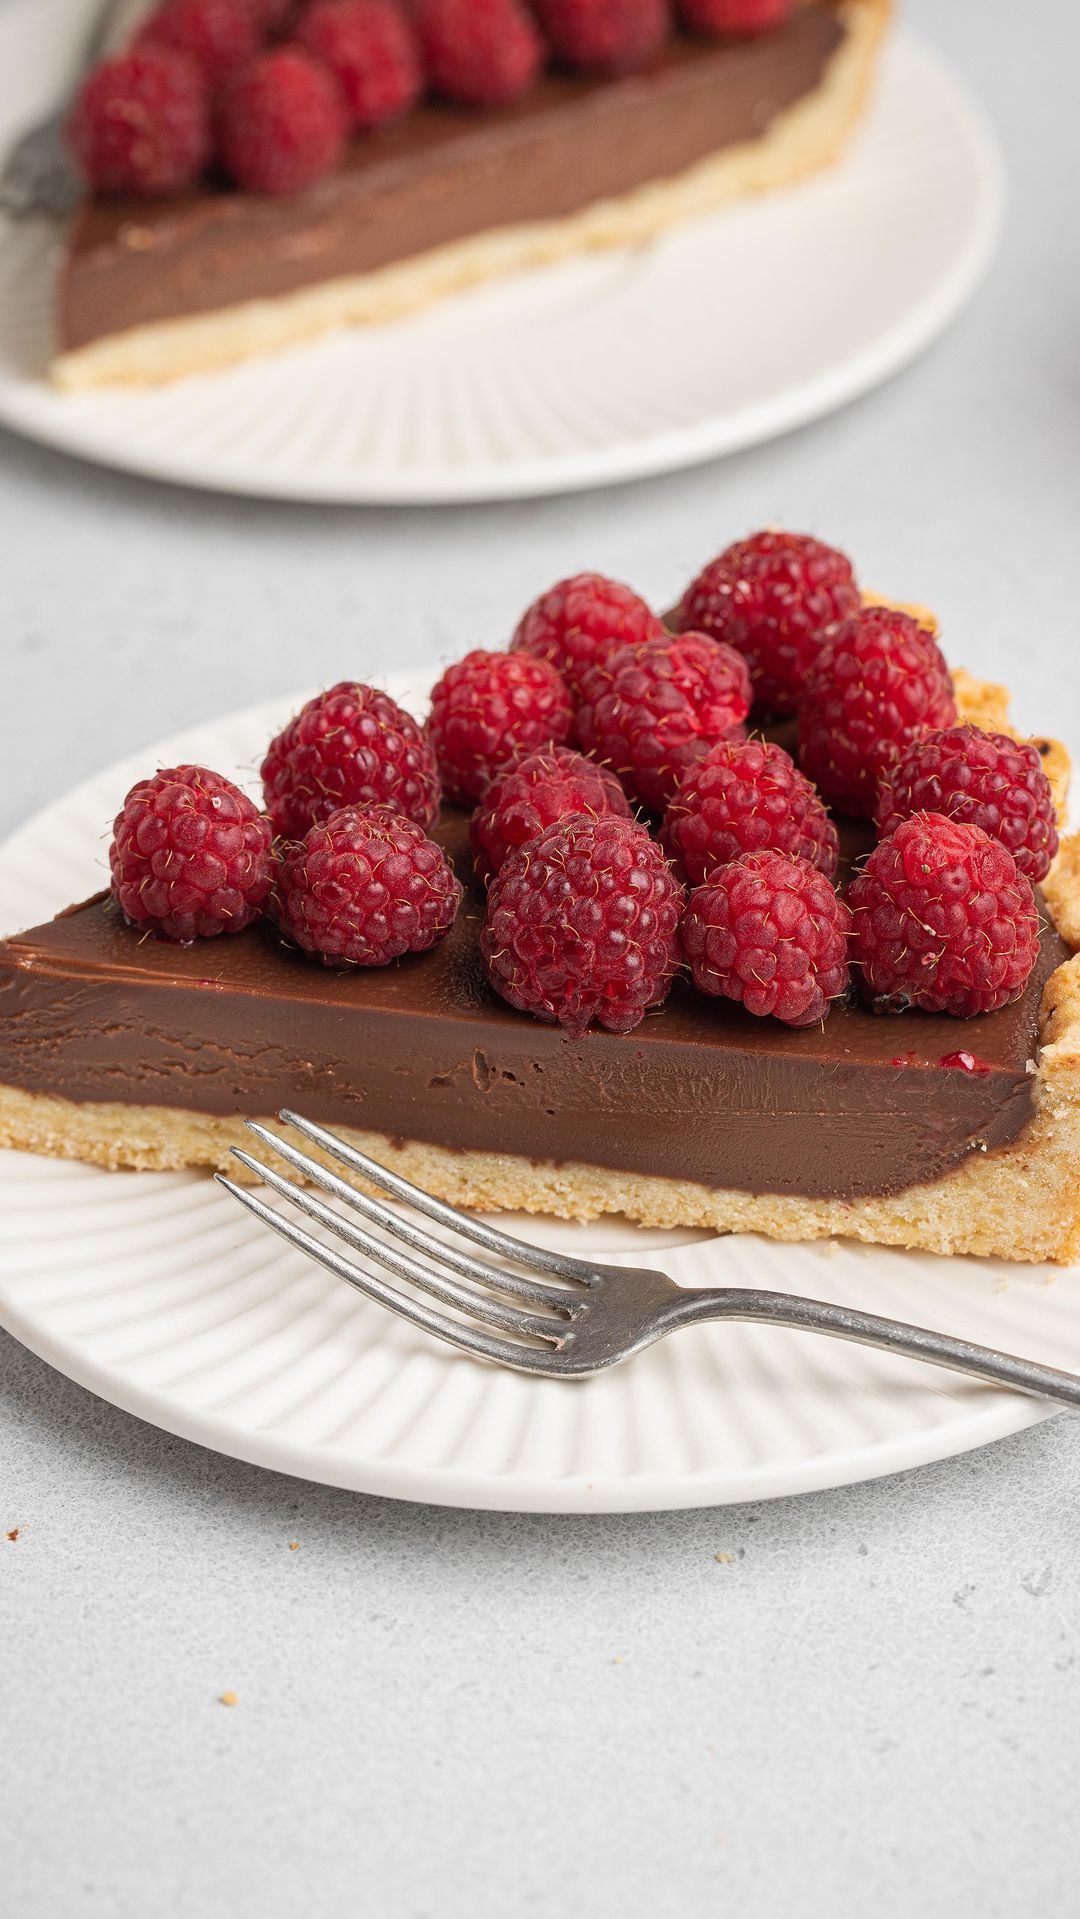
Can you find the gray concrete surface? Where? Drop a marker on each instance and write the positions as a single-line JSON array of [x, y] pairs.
[[873, 1707]]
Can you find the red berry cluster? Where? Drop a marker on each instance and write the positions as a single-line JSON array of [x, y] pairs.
[[351, 787], [272, 92], [587, 919]]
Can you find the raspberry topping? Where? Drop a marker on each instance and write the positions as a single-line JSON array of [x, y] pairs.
[[481, 52], [652, 709], [607, 36], [779, 598], [746, 796], [581, 925], [141, 123], [350, 746], [943, 920], [488, 710], [270, 16], [987, 779], [580, 622], [282, 122], [743, 18], [537, 792], [191, 855], [879, 685], [371, 50], [219, 35], [365, 886], [770, 932]]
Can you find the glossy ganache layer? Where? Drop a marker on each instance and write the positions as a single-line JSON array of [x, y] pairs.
[[442, 175], [424, 1050]]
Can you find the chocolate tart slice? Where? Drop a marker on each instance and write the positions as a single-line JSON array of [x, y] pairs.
[[451, 197], [132, 1052]]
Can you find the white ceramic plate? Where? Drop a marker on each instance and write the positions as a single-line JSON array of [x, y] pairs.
[[721, 334], [159, 1294]]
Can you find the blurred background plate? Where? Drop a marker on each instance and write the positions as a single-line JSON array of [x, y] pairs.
[[156, 1292], [609, 368]]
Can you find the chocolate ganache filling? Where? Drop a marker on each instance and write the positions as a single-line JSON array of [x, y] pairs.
[[424, 1050], [441, 175]]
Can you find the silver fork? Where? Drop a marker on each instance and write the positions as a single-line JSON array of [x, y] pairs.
[[37, 176], [561, 1317]]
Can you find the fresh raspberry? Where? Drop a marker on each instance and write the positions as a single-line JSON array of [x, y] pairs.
[[580, 622], [943, 920], [581, 925], [370, 48], [778, 598], [365, 886], [879, 685], [282, 123], [605, 36], [219, 35], [482, 53], [141, 123], [746, 796], [769, 932], [740, 18], [490, 709], [535, 793], [350, 746], [271, 16], [653, 709], [986, 779], [190, 856]]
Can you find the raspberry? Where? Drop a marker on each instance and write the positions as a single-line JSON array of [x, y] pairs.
[[537, 792], [986, 779], [483, 53], [581, 925], [370, 48], [746, 796], [736, 17], [943, 920], [606, 36], [141, 123], [879, 685], [219, 35], [190, 856], [282, 123], [778, 598], [365, 886], [490, 709], [655, 708], [270, 16], [769, 932], [580, 622], [350, 746]]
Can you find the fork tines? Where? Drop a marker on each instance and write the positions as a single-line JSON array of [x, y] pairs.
[[535, 1314]]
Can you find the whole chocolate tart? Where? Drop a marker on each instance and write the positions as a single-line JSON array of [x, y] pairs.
[[149, 290], [917, 1130]]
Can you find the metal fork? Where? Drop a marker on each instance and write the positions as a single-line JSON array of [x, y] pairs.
[[37, 176], [559, 1316]]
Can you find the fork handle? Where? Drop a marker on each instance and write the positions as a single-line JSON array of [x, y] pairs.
[[888, 1335]]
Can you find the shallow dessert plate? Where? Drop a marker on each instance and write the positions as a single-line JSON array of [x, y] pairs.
[[576, 375], [156, 1292]]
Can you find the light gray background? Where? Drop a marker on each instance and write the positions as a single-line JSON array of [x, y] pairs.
[[874, 1708]]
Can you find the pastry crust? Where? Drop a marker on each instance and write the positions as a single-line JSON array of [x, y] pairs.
[[807, 136], [1020, 1201]]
